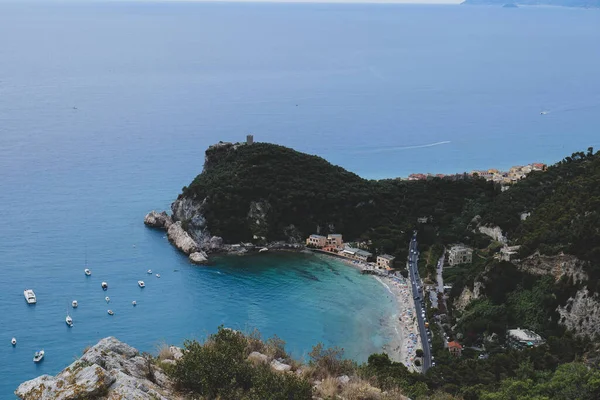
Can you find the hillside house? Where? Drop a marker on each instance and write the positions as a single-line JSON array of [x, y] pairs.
[[460, 254]]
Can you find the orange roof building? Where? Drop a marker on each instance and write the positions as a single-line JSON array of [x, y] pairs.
[[455, 348]]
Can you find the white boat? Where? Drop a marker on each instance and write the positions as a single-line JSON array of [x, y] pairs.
[[30, 296], [87, 272], [134, 303], [74, 304], [149, 272], [69, 321], [104, 285], [141, 284], [110, 312], [263, 250], [13, 341], [107, 299], [38, 356], [158, 275], [544, 113]]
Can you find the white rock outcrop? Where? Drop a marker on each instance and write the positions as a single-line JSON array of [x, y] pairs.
[[258, 358], [279, 366], [109, 370], [198, 257], [181, 239], [581, 313], [157, 219]]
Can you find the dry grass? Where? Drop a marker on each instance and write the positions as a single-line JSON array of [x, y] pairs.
[[164, 353], [359, 389], [254, 342], [329, 388]]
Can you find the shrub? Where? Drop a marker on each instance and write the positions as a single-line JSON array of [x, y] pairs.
[[418, 363], [419, 353], [329, 362], [219, 369]]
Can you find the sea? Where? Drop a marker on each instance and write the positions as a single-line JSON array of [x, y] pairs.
[[106, 109]]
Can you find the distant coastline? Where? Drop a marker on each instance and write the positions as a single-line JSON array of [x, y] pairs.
[[558, 3]]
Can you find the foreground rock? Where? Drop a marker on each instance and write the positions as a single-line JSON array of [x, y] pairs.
[[109, 370], [157, 219]]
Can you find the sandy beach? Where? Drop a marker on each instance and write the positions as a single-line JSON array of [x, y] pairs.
[[403, 346], [408, 340]]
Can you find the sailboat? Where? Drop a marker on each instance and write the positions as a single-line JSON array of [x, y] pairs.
[[68, 319]]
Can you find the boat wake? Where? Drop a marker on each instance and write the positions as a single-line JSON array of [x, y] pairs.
[[399, 148]]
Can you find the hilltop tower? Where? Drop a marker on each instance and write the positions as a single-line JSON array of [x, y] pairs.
[[249, 139]]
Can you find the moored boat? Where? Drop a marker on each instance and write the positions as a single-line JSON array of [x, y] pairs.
[[13, 341], [134, 303], [110, 312], [74, 304], [30, 296], [158, 275], [107, 299], [104, 285], [149, 272], [38, 356], [69, 321], [141, 284], [87, 272]]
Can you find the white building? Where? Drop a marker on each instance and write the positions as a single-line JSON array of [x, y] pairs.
[[509, 253], [522, 338], [356, 254], [460, 254]]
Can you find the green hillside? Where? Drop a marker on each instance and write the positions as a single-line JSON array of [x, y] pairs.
[[308, 192]]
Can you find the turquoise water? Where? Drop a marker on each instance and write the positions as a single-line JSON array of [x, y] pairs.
[[106, 109]]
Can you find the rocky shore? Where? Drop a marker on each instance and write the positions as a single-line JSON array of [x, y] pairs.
[[109, 370], [195, 241]]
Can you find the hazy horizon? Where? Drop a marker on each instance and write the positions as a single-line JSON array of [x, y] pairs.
[[250, 1]]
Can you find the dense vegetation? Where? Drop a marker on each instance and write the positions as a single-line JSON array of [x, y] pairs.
[[564, 202], [309, 193], [222, 368]]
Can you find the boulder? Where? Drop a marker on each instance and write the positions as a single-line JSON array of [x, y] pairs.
[[181, 239], [344, 379], [215, 243], [258, 358], [280, 367], [176, 352], [156, 219], [198, 257], [109, 370]]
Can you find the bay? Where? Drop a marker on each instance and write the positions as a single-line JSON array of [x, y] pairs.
[[106, 109]]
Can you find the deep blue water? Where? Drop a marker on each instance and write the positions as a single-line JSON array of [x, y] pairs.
[[106, 109]]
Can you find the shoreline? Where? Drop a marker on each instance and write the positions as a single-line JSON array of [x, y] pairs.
[[402, 347]]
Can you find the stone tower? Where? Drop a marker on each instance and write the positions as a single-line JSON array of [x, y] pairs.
[[249, 139]]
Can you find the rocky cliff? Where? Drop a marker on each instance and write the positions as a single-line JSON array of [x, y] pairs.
[[109, 370]]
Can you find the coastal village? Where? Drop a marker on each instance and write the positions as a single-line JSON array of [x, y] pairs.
[[409, 349], [504, 178]]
